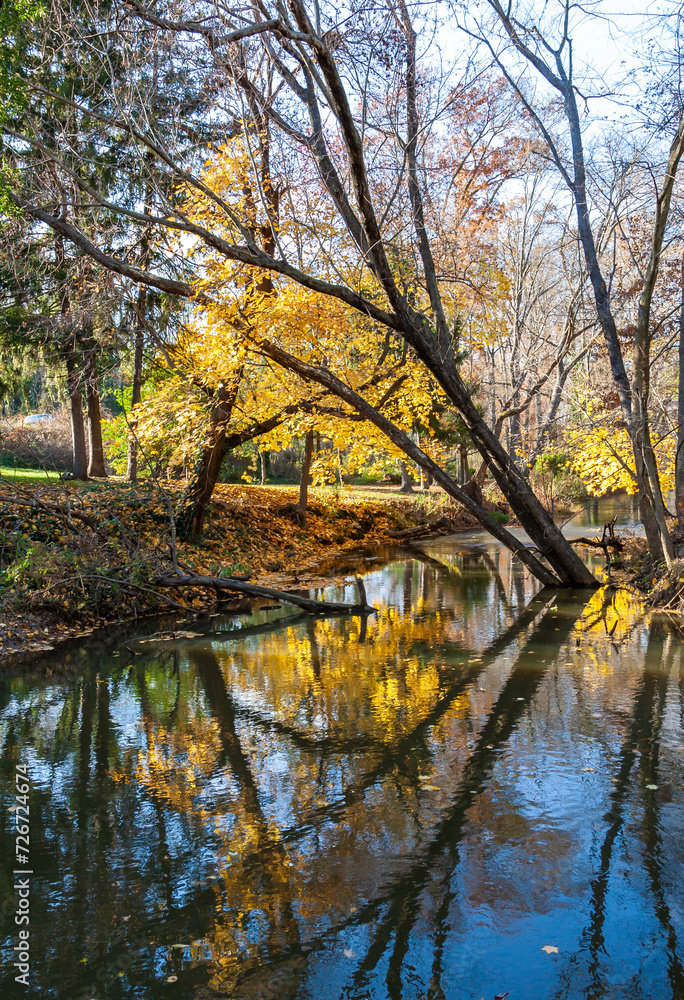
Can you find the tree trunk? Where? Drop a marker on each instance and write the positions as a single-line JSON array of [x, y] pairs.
[[633, 398], [514, 439], [421, 473], [463, 463], [262, 464], [406, 481], [79, 468], [553, 545], [191, 518], [140, 308], [96, 463], [79, 464], [304, 478]]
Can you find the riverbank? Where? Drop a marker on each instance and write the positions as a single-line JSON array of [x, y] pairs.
[[661, 588], [75, 557]]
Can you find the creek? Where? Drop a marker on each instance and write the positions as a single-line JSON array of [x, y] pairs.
[[475, 791]]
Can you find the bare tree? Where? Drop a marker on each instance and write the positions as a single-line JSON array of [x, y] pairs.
[[550, 55]]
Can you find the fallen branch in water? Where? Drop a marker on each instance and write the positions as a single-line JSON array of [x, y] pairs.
[[608, 540], [597, 543], [306, 603], [421, 529]]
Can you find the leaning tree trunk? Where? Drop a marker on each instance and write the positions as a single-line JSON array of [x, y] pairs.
[[533, 517], [140, 306], [191, 518], [323, 376], [79, 467], [96, 463]]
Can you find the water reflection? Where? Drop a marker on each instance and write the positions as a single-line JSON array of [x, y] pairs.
[[412, 806]]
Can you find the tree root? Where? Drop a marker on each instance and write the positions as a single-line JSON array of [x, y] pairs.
[[294, 511]]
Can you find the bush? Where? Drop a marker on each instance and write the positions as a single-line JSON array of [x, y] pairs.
[[43, 446], [498, 515], [553, 462]]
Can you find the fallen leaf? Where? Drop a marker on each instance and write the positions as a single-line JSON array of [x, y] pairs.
[[348, 953], [550, 949], [172, 979], [652, 787]]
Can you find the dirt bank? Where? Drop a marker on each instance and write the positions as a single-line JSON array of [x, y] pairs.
[[77, 556]]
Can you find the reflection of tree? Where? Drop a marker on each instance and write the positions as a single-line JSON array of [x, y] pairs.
[[641, 744], [315, 652], [157, 782], [256, 787], [398, 672], [396, 910], [269, 883], [397, 752], [442, 852], [83, 804], [612, 613], [651, 826]]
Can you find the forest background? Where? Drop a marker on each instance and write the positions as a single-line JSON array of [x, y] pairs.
[[364, 241]]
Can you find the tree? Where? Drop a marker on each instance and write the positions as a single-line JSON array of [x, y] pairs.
[[551, 58], [289, 68]]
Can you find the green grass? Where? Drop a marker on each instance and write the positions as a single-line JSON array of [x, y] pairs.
[[32, 475]]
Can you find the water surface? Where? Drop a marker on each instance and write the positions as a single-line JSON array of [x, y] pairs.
[[477, 790]]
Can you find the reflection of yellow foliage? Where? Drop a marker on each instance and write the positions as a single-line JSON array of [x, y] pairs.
[[383, 684], [610, 613]]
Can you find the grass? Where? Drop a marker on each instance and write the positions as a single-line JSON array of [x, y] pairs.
[[30, 475]]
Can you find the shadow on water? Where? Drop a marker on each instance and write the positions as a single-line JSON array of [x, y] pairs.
[[477, 790]]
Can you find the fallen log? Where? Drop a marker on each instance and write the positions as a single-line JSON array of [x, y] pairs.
[[597, 543], [421, 529], [306, 603]]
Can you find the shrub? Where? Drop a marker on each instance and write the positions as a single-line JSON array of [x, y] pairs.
[[42, 446]]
